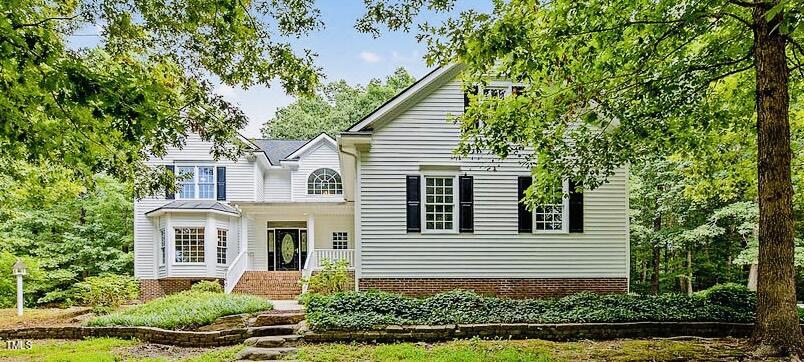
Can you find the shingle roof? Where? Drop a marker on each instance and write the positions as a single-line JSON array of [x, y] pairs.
[[195, 205], [277, 150]]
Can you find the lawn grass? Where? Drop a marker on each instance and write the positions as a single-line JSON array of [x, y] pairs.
[[185, 310], [33, 317], [527, 350], [89, 350]]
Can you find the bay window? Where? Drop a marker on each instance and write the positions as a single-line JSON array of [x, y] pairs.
[[189, 245]]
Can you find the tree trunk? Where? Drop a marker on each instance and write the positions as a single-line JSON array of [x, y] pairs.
[[657, 254], [777, 330], [689, 272], [752, 277]]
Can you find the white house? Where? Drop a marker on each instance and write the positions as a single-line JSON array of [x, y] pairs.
[[391, 198]]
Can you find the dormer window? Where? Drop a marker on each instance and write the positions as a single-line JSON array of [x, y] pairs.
[[196, 182], [325, 182]]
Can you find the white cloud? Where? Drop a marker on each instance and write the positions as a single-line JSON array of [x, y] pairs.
[[226, 91], [370, 57]]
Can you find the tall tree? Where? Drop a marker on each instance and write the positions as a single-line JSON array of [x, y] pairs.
[[144, 86], [333, 107], [610, 81]]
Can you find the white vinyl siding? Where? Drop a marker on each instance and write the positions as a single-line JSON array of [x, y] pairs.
[[422, 136], [277, 185]]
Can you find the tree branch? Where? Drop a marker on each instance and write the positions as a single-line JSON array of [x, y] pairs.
[[40, 22]]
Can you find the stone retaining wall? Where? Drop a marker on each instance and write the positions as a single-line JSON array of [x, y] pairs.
[[413, 333], [555, 332]]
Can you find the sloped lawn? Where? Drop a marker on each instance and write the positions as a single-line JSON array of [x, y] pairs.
[[185, 310]]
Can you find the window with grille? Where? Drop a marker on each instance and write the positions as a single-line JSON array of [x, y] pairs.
[[196, 182], [551, 216], [222, 236], [340, 240], [324, 181], [494, 92], [189, 245], [186, 178], [439, 203], [206, 182], [162, 255]]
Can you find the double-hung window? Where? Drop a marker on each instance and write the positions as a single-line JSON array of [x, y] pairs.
[[439, 203], [162, 243], [189, 243], [340, 240], [196, 182], [222, 237], [554, 215]]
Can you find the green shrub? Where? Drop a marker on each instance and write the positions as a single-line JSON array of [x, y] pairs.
[[33, 283], [185, 310], [207, 286], [367, 310], [333, 278], [106, 293]]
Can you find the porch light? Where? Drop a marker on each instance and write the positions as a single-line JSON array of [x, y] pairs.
[[19, 270]]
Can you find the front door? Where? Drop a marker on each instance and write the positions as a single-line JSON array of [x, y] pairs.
[[287, 249]]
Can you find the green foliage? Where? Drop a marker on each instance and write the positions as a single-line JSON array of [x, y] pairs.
[[71, 230], [32, 283], [366, 310], [209, 286], [334, 107], [185, 310], [144, 87], [333, 278], [106, 293]]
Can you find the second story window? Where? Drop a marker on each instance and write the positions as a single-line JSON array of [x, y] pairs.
[[196, 182], [325, 182]]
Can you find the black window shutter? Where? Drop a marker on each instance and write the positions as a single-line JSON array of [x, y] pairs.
[[221, 183], [466, 204], [525, 218], [575, 207], [169, 195], [414, 203]]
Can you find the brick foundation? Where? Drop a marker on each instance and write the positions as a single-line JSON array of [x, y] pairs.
[[156, 288], [506, 288]]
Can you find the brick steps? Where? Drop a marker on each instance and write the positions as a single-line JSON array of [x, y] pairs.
[[277, 285]]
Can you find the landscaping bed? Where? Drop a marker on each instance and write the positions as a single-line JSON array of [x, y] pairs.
[[364, 311], [183, 311]]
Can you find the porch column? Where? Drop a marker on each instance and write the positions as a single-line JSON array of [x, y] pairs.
[[310, 237], [170, 246]]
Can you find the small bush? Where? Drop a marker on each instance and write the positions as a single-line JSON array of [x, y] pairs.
[[368, 310], [333, 278], [106, 293], [185, 310], [207, 286]]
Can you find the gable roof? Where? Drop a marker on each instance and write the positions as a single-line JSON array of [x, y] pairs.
[[406, 97], [277, 150], [322, 137]]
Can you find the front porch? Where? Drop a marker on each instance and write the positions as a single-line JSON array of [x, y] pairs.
[[282, 242]]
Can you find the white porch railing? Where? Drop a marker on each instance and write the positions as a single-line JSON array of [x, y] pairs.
[[333, 255], [235, 271]]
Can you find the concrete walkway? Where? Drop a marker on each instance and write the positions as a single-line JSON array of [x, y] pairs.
[[286, 305]]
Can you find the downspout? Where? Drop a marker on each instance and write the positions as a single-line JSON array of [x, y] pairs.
[[358, 236]]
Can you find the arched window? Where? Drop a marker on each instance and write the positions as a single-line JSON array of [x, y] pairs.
[[324, 181]]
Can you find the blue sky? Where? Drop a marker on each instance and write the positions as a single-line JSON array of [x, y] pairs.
[[343, 53]]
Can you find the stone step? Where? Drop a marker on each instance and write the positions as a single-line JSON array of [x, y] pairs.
[[277, 318], [281, 330], [263, 354]]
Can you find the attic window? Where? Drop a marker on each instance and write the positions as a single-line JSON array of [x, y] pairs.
[[324, 181]]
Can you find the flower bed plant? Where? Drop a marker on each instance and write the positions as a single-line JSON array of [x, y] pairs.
[[368, 310], [185, 310]]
